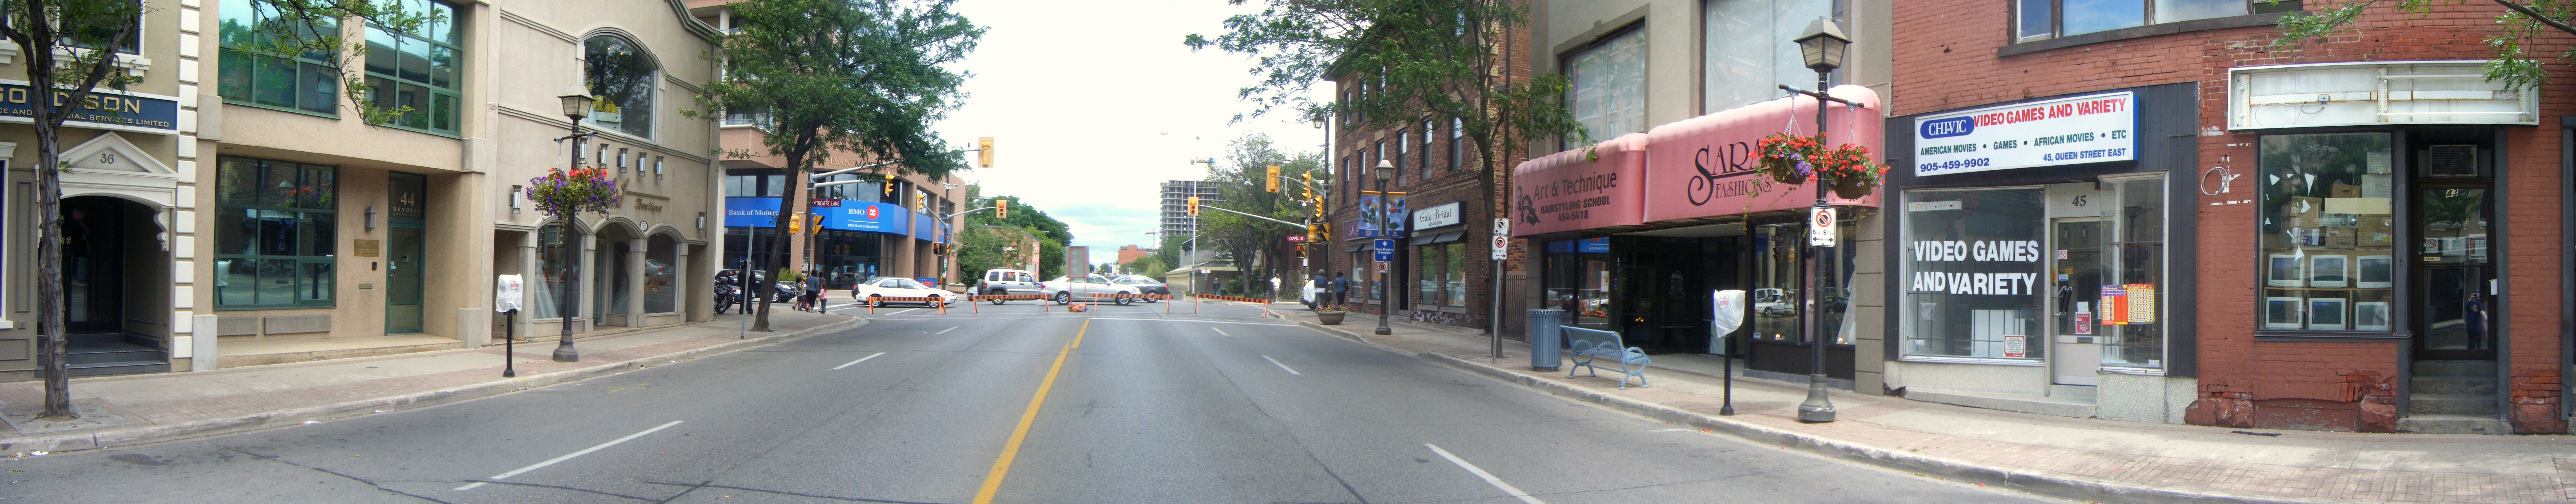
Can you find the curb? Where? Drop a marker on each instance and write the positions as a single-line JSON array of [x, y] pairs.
[[2023, 480], [147, 434]]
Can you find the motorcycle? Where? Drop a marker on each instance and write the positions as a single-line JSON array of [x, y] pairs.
[[727, 294]]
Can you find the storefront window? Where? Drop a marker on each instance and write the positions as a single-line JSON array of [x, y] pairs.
[[545, 300], [1456, 277], [1973, 273], [1578, 281], [2328, 259], [2135, 260], [275, 234], [661, 273], [1431, 263], [1776, 279], [1759, 52]]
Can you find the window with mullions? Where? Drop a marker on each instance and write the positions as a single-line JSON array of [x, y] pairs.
[[417, 69], [2329, 258], [308, 82], [274, 234], [2041, 19], [623, 79]]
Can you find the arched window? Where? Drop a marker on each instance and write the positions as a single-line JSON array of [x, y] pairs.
[[622, 77]]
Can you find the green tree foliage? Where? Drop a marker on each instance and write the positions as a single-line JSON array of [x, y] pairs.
[[1052, 234], [1170, 254], [1254, 244], [2523, 21], [1149, 266], [981, 248], [1422, 61], [861, 76]]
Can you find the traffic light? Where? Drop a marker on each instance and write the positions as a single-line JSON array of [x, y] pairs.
[[1194, 206], [889, 185], [1313, 233], [1001, 208], [984, 154], [816, 226], [1310, 184], [939, 249], [1272, 181]]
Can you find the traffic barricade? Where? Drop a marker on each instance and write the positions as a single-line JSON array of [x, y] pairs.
[[933, 301], [1001, 298]]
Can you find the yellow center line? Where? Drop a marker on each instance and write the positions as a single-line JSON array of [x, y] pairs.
[[1011, 450]]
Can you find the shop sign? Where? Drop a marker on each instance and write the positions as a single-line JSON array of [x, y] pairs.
[[1705, 166], [104, 109], [1584, 188], [1444, 214], [2084, 129], [852, 215], [1983, 267]]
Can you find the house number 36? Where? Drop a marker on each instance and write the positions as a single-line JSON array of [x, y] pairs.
[[107, 157]]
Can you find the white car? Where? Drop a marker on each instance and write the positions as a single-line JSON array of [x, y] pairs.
[[1092, 288], [899, 287]]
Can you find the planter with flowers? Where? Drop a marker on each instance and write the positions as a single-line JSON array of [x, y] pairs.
[[1791, 159]]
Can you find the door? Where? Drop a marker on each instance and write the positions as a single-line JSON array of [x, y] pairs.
[[93, 248], [403, 252], [2077, 274], [402, 278], [2454, 277]]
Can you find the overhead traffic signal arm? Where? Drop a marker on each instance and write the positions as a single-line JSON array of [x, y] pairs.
[[1194, 204]]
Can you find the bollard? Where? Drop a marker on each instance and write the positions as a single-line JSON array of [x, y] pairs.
[[1545, 329]]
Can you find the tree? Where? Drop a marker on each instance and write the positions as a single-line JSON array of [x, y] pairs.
[[2512, 65], [1051, 234], [1252, 243], [860, 76], [1170, 254], [59, 39], [980, 247], [1149, 266]]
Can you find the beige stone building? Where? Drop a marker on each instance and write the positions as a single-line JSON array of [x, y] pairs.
[[294, 230]]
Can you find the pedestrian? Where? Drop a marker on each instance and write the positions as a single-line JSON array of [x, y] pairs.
[[1341, 289], [813, 292]]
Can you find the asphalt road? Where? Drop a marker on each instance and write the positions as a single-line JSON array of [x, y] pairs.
[[1219, 407]]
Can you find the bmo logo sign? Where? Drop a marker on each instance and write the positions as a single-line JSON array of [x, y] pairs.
[[872, 212]]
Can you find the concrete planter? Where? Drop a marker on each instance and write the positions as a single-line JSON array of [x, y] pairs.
[[1329, 317]]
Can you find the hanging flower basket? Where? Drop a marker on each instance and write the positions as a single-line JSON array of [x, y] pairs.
[[1787, 158], [1848, 171], [561, 194]]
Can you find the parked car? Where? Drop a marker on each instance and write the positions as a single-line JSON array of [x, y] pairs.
[[1144, 285], [1090, 288], [899, 287], [1773, 302], [1006, 282]]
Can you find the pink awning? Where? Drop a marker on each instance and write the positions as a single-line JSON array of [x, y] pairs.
[[1703, 166], [1581, 189]]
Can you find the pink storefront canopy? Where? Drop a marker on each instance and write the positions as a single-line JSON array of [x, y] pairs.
[[1704, 166], [1690, 169], [1582, 188]]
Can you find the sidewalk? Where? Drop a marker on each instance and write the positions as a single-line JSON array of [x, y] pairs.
[[137, 409], [2068, 457]]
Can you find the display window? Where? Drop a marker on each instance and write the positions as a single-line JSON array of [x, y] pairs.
[[1578, 281], [1974, 274], [2327, 250]]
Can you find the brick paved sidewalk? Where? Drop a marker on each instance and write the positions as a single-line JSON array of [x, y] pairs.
[[2071, 457], [136, 409]]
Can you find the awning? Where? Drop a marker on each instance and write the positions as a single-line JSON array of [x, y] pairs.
[[1704, 166], [1449, 237], [1355, 247], [1583, 188]]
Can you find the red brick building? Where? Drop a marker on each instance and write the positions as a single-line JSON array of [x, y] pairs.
[[2362, 234]]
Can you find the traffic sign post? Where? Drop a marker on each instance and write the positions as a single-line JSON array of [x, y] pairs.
[[1385, 252], [1820, 226]]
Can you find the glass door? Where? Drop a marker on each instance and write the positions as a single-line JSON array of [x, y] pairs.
[[2076, 302], [404, 259], [2454, 277]]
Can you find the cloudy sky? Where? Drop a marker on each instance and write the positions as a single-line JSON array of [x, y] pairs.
[[1093, 104]]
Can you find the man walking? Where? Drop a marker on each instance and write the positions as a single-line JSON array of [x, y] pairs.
[[814, 292], [1341, 290]]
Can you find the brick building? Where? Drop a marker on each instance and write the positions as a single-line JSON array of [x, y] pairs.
[[1441, 222], [2063, 150]]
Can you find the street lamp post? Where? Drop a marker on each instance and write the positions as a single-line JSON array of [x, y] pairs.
[[575, 106], [1384, 171], [1822, 45], [1321, 248]]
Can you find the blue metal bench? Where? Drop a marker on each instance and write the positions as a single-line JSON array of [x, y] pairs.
[[1589, 344]]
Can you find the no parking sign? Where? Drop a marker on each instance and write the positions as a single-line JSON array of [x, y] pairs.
[[1820, 226]]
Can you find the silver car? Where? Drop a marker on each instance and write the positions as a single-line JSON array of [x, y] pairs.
[[1091, 288]]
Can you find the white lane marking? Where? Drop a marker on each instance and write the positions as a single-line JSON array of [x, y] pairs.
[[1670, 430], [1489, 477], [1275, 362], [908, 310], [861, 359], [944, 331], [584, 451], [1198, 321], [1219, 332]]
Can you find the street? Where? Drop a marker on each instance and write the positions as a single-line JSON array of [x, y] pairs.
[[1120, 404]]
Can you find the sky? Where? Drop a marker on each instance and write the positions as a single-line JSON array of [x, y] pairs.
[[1092, 105]]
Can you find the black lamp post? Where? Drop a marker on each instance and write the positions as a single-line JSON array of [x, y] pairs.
[[1384, 171], [576, 107], [1822, 45]]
